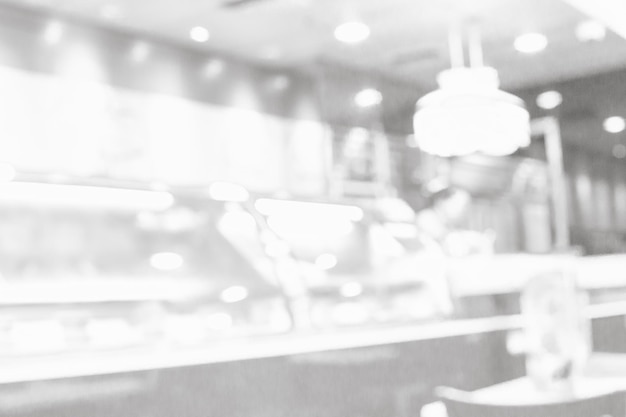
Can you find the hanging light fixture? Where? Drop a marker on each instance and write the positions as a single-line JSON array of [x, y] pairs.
[[469, 113]]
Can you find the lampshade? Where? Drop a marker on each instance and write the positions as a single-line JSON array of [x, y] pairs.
[[469, 113]]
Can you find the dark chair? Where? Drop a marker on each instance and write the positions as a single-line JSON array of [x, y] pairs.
[[460, 404]]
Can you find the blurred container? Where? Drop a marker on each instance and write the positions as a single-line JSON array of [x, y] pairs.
[[558, 335]]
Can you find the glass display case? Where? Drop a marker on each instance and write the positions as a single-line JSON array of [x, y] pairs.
[[361, 263], [102, 264]]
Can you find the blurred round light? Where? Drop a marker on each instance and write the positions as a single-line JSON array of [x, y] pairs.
[[549, 100], [140, 51], [351, 289], [166, 261], [326, 261], [280, 82], [199, 34], [530, 43], [368, 97], [234, 294], [53, 32], [352, 32], [7, 173], [590, 30], [614, 124], [213, 68], [619, 151]]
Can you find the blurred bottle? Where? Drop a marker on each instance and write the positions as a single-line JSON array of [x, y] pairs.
[[558, 335]]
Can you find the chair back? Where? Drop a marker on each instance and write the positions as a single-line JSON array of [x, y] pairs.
[[460, 404]]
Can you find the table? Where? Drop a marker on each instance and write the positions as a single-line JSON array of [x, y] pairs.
[[603, 374]]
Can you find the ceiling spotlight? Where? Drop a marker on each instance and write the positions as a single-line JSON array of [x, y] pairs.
[[619, 151], [53, 32], [549, 100], [531, 43], [614, 124], [590, 30], [368, 97], [199, 34], [352, 32]]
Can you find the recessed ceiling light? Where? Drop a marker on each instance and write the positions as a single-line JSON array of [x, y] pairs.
[[530, 43], [352, 32], [368, 97], [614, 124], [53, 32], [199, 34], [619, 151], [590, 30], [549, 100]]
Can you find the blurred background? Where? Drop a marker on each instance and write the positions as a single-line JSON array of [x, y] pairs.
[[307, 207]]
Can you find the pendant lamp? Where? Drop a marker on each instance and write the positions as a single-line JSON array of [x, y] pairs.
[[469, 113]]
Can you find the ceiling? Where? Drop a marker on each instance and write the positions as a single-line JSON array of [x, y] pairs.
[[408, 42], [408, 37]]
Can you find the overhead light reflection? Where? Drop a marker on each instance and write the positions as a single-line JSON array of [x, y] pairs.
[[351, 289], [213, 68], [234, 294], [199, 34], [84, 196], [549, 100], [140, 51], [590, 30], [531, 43], [614, 124], [166, 261], [352, 32], [268, 206], [53, 33], [619, 151], [368, 97]]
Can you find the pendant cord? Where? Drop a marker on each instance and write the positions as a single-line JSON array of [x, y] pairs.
[[455, 41], [475, 47]]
